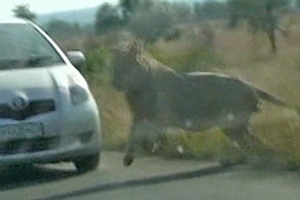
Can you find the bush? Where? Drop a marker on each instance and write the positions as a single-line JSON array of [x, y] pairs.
[[97, 58]]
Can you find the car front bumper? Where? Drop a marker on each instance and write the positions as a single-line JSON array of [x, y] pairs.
[[68, 134], [68, 153]]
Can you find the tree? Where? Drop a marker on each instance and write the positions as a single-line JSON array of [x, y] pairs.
[[108, 17], [129, 7], [23, 11], [298, 3], [151, 24], [181, 11], [148, 20], [210, 10], [261, 15]]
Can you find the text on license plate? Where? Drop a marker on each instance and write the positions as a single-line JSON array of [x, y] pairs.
[[21, 131]]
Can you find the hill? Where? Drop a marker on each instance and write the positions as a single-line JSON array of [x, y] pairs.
[[82, 16]]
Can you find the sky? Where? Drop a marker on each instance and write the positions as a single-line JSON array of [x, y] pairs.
[[47, 6]]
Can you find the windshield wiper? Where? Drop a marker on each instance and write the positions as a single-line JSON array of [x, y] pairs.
[[10, 64], [37, 61]]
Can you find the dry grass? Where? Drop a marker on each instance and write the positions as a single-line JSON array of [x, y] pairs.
[[115, 114], [279, 129], [239, 54], [250, 59]]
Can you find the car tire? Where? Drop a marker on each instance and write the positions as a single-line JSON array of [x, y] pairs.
[[87, 163]]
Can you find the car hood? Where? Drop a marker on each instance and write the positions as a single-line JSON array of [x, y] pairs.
[[34, 83]]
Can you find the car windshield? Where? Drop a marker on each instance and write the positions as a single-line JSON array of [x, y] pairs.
[[22, 46]]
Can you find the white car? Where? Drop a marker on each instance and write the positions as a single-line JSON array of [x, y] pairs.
[[47, 112]]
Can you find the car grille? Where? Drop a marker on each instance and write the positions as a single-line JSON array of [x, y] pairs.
[[28, 146], [34, 108]]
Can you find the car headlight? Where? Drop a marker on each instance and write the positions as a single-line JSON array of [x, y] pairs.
[[78, 94]]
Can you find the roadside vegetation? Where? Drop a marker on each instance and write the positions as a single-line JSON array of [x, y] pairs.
[[211, 36]]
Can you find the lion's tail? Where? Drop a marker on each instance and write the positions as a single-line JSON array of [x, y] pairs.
[[271, 98]]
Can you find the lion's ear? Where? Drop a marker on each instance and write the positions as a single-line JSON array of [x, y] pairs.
[[135, 48]]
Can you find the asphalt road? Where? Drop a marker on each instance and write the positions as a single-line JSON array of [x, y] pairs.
[[148, 178]]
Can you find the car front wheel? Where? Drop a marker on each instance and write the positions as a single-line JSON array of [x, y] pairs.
[[87, 163]]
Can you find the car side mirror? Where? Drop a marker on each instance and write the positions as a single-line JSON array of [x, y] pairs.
[[77, 58]]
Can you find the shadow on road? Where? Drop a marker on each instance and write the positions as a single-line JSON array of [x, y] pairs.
[[139, 182], [29, 175]]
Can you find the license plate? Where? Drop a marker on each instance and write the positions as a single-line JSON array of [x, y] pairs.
[[22, 131]]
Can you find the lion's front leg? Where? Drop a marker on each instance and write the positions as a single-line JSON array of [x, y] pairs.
[[131, 145], [141, 131], [135, 137]]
